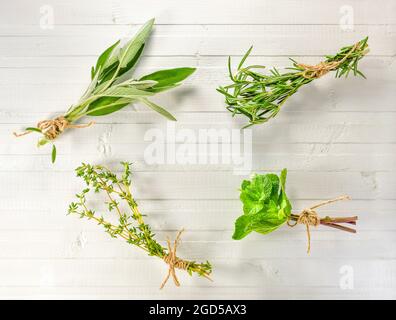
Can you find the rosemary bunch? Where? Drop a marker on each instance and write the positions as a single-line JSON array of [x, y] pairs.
[[260, 96], [130, 226], [113, 87]]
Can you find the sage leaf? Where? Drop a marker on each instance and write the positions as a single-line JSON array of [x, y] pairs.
[[129, 52], [33, 129], [103, 58], [126, 92], [113, 85], [107, 105], [53, 154]]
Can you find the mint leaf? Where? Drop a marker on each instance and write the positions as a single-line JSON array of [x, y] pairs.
[[275, 186], [261, 222], [254, 193], [250, 206], [243, 227], [283, 199]]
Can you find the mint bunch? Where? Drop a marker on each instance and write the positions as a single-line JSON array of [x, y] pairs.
[[265, 205]]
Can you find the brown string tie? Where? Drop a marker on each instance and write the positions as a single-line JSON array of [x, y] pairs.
[[173, 261], [322, 68], [52, 128], [309, 217]]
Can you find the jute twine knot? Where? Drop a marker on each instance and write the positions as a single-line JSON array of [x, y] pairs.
[[310, 217], [52, 128], [322, 68], [173, 261]]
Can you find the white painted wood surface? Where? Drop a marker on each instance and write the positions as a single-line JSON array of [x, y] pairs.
[[335, 136]]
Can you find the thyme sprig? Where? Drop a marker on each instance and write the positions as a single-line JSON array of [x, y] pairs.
[[266, 207], [113, 87], [130, 226], [260, 96]]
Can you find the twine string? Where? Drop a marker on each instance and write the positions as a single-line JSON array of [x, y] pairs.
[[173, 261], [52, 128], [324, 67], [309, 217]]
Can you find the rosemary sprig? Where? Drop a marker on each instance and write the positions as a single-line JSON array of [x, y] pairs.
[[260, 97], [131, 226], [113, 87]]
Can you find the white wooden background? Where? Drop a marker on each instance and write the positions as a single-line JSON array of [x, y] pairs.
[[335, 137]]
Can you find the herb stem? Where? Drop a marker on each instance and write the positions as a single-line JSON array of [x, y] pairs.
[[333, 222]]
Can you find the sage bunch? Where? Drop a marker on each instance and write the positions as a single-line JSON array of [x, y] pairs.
[[266, 207], [113, 86], [260, 96], [131, 226]]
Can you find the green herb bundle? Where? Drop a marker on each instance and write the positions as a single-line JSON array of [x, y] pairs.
[[130, 226], [260, 96], [113, 87], [266, 207]]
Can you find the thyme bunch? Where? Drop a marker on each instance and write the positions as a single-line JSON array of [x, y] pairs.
[[113, 87], [130, 226], [260, 96]]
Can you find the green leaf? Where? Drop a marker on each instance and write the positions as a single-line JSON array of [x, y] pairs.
[[259, 188], [158, 109], [250, 205], [283, 199], [255, 193], [53, 154], [283, 176], [265, 204], [126, 92], [131, 63], [33, 129], [141, 85], [103, 58], [243, 227], [244, 58], [230, 69], [258, 222], [42, 141], [169, 77], [275, 186], [107, 105], [134, 47]]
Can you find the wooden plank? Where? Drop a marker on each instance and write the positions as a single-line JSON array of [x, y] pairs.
[[50, 89], [285, 243], [211, 185], [253, 273], [202, 12], [144, 292], [214, 40]]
